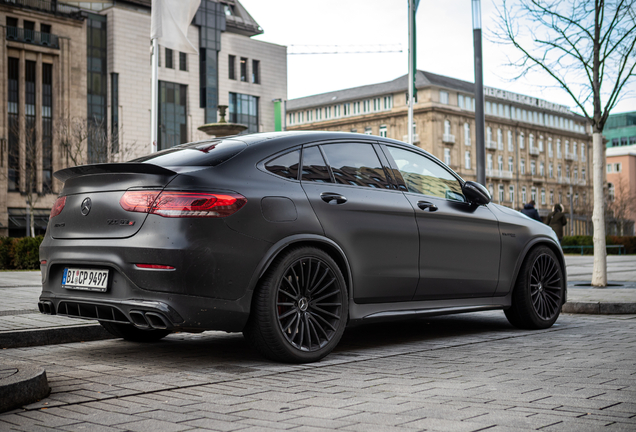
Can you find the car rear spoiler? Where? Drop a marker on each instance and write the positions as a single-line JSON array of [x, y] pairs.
[[111, 168]]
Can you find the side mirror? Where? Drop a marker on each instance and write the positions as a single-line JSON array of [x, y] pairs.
[[476, 193]]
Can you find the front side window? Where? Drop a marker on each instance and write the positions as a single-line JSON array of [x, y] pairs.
[[285, 166], [425, 176], [356, 164]]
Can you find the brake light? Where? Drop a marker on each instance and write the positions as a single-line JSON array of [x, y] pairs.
[[182, 204], [58, 206], [154, 266]]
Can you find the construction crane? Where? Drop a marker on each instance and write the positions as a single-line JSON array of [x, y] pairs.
[[345, 49]]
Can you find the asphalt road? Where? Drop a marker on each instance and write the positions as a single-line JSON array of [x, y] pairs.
[[468, 372]]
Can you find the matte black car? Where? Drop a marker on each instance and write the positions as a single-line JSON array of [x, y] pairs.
[[289, 238]]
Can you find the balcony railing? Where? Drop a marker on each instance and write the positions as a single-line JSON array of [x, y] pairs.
[[46, 6], [534, 151], [448, 139], [33, 37], [491, 145], [571, 156], [502, 174]]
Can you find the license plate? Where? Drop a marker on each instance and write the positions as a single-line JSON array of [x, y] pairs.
[[85, 279]]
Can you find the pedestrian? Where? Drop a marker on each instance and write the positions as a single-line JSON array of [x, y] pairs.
[[556, 220], [531, 212]]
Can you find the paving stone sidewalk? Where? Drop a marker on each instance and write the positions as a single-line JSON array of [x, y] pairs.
[[470, 372]]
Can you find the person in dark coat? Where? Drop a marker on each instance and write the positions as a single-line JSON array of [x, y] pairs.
[[531, 212], [556, 220]]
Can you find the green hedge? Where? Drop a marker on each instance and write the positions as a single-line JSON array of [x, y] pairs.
[[628, 241], [20, 253]]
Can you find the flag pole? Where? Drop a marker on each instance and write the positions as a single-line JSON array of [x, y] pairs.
[[409, 125], [154, 57]]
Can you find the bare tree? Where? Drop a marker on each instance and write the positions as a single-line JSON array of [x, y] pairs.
[[620, 204], [588, 48]]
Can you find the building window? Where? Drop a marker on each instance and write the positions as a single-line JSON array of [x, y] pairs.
[[488, 136], [610, 191], [47, 127], [542, 196], [256, 71], [447, 156], [550, 171], [531, 141], [97, 95], [541, 168], [443, 97], [172, 115], [383, 131], [511, 164], [114, 112], [522, 166], [558, 149], [551, 196], [243, 109], [523, 195], [500, 163], [583, 174], [367, 131], [583, 149], [467, 134], [14, 125], [447, 127], [576, 174], [243, 69], [489, 162], [346, 108], [366, 106], [460, 101], [511, 193], [533, 194], [521, 141], [559, 171], [183, 61], [169, 59], [388, 102], [231, 67], [499, 139], [467, 160], [491, 190], [618, 167], [511, 145], [501, 193], [550, 153]]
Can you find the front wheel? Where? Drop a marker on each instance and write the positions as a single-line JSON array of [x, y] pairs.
[[300, 307], [539, 292]]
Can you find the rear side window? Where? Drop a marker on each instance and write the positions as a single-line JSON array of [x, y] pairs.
[[285, 166], [208, 153], [314, 166], [356, 164]]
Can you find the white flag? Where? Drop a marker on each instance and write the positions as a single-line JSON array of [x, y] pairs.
[[169, 22]]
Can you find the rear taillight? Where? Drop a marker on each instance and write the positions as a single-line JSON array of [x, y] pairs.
[[58, 206], [154, 267], [182, 204]]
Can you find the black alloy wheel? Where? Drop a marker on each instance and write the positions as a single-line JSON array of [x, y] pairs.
[[539, 292], [300, 309]]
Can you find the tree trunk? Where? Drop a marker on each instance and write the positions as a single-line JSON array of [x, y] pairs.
[[599, 273]]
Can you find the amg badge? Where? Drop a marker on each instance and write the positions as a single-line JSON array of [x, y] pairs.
[[123, 222]]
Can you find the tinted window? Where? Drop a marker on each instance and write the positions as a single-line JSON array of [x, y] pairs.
[[422, 175], [209, 153], [285, 165], [356, 164], [314, 167]]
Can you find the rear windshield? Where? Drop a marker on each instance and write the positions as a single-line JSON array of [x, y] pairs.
[[208, 153]]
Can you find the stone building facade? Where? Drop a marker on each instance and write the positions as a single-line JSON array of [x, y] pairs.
[[99, 89], [535, 149]]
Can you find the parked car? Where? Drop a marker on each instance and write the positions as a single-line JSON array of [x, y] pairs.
[[288, 238]]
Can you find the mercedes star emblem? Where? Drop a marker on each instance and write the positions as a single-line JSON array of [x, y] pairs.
[[86, 206]]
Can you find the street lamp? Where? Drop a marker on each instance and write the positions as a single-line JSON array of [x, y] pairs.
[[480, 119]]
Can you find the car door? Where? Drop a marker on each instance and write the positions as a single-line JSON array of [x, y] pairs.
[[359, 209], [459, 242]]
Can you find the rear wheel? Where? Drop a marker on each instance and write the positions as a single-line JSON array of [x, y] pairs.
[[132, 333], [538, 294], [300, 307]]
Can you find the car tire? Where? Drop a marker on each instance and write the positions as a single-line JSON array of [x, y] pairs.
[[132, 333], [300, 307], [538, 294]]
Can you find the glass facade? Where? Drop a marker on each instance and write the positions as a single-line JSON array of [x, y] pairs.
[[30, 128], [97, 88], [14, 125], [114, 113], [172, 115], [243, 109], [47, 127]]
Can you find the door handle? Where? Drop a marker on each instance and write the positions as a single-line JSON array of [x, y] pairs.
[[427, 205], [330, 197]]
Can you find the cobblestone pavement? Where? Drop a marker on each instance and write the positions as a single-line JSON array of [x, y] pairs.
[[468, 372]]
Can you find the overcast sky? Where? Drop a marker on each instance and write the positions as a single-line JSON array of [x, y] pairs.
[[444, 44]]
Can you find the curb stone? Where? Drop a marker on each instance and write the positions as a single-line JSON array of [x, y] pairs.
[[53, 336], [21, 385], [599, 308]]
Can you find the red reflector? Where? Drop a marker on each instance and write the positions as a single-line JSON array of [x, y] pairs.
[[58, 206], [43, 262], [154, 266], [182, 204]]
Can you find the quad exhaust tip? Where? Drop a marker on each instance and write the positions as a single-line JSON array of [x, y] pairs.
[[46, 307], [148, 320]]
